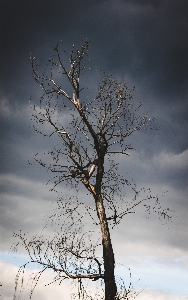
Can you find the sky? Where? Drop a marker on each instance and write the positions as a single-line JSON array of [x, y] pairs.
[[143, 43]]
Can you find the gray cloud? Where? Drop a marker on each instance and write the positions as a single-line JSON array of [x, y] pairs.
[[142, 42]]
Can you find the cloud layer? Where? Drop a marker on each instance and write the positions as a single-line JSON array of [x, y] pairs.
[[143, 43]]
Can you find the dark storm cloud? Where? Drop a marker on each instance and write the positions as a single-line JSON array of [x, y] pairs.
[[15, 136], [20, 143], [153, 42], [143, 38], [144, 42]]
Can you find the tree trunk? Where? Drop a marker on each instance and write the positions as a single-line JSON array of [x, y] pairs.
[[108, 254]]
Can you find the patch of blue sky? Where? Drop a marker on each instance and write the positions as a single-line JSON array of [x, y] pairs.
[[147, 273], [18, 260]]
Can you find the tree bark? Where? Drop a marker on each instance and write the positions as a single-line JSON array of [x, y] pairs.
[[108, 254]]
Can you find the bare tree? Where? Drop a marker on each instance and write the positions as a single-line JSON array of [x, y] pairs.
[[92, 132]]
